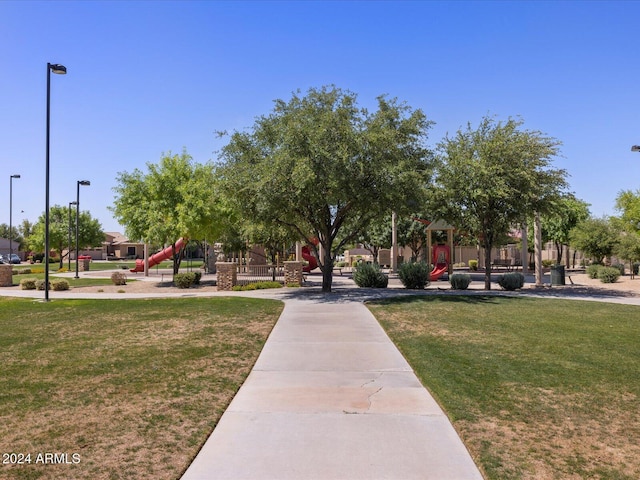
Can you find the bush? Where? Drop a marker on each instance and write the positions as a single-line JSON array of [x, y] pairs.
[[28, 284], [197, 277], [473, 265], [60, 284], [119, 278], [620, 267], [184, 280], [636, 268], [25, 271], [256, 286], [548, 263], [40, 285], [368, 275], [342, 264], [414, 276], [511, 281], [608, 274], [592, 270], [460, 281]]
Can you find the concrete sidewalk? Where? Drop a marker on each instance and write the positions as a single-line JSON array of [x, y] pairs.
[[331, 397]]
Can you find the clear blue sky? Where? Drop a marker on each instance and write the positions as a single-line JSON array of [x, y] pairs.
[[156, 76]]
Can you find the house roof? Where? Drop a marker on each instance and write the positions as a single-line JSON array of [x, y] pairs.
[[116, 238]]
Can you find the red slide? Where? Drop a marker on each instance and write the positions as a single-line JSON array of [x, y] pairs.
[[313, 261], [441, 261], [158, 257]]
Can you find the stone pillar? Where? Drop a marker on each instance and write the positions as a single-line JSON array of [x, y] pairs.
[[226, 275], [293, 273], [6, 275]]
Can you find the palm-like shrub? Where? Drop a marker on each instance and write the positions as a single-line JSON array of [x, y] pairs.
[[368, 275]]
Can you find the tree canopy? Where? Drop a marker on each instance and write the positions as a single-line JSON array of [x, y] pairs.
[[90, 232], [325, 168], [492, 177], [174, 199], [595, 237]]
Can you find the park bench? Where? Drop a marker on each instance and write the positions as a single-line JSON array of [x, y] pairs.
[[502, 263]]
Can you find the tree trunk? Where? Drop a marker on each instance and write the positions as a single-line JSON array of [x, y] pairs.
[[487, 267], [327, 268]]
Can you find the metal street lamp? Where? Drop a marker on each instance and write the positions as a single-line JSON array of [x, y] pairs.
[[635, 148], [61, 70], [69, 230], [84, 183], [10, 215]]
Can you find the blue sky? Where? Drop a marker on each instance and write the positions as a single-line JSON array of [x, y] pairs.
[[156, 76]]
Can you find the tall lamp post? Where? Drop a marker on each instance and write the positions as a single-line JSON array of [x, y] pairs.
[[83, 183], [10, 215], [69, 230], [61, 70], [635, 148]]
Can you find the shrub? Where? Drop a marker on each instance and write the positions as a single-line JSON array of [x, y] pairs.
[[636, 268], [62, 270], [184, 280], [119, 278], [414, 276], [592, 270], [25, 271], [460, 281], [256, 286], [197, 277], [368, 275], [473, 265], [40, 284], [28, 284], [342, 264], [608, 274], [60, 284], [620, 267], [548, 263], [511, 281]]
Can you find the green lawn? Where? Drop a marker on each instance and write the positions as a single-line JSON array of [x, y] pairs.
[[537, 388], [132, 388]]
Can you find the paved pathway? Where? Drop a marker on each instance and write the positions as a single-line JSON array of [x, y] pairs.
[[331, 397]]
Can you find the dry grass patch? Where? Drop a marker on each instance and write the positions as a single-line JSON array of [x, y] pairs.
[[132, 387]]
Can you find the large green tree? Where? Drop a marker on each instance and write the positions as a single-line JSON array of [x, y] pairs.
[[325, 168], [557, 223], [628, 204], [595, 237], [492, 177], [174, 199], [90, 232]]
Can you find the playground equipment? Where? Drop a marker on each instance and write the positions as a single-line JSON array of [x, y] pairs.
[[313, 261], [441, 259], [441, 254], [156, 258]]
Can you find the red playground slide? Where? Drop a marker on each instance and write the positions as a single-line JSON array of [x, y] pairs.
[[313, 261], [158, 257], [440, 261]]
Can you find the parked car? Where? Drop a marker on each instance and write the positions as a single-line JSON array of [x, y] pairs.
[[2, 259], [12, 258]]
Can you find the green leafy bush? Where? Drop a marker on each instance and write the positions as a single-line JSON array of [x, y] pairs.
[[414, 276], [197, 277], [636, 268], [40, 284], [28, 284], [342, 264], [511, 281], [184, 280], [473, 265], [60, 285], [25, 271], [368, 275], [548, 263], [119, 278], [608, 274], [460, 281], [256, 286], [620, 267], [592, 270]]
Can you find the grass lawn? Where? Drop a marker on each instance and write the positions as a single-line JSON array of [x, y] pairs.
[[73, 282], [537, 388], [128, 389]]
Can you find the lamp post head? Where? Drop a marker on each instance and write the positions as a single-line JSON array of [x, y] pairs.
[[84, 182], [635, 148], [57, 68], [73, 203], [15, 176]]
